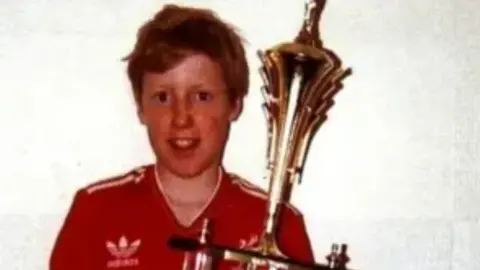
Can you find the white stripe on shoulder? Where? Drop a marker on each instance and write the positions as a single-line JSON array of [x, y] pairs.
[[136, 175], [256, 191], [248, 187]]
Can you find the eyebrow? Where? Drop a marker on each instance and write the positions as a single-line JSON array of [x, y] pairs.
[[162, 86]]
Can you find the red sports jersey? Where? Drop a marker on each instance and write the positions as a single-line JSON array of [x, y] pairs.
[[125, 223]]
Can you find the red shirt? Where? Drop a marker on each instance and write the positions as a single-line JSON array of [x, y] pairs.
[[125, 223]]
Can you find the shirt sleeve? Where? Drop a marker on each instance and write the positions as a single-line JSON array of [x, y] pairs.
[[293, 237], [70, 247]]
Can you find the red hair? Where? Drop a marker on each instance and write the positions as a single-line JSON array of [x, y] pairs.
[[176, 32]]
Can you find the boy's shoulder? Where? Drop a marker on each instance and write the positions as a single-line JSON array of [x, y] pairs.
[[254, 193], [118, 183]]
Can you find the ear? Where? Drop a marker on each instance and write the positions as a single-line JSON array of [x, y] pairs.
[[236, 109]]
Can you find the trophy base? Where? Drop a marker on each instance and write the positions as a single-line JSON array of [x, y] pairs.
[[244, 256]]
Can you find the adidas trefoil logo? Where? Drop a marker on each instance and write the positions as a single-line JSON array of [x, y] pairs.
[[249, 242], [123, 251]]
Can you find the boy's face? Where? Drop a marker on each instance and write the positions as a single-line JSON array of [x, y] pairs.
[[187, 112]]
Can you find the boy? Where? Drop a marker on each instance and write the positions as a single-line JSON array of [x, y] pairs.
[[189, 76]]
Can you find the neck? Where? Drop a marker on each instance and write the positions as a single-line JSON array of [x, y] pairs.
[[189, 190]]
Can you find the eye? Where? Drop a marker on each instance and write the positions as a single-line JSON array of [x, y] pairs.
[[161, 96], [204, 96]]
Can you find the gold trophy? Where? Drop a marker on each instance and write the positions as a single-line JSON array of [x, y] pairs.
[[300, 79]]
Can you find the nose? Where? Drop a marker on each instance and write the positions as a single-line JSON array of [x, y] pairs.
[[182, 115]]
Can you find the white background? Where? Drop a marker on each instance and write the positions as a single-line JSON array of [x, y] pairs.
[[393, 173]]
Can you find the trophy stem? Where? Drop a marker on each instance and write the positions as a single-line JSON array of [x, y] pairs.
[[282, 170]]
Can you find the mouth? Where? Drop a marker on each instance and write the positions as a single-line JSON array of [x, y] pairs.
[[184, 143]]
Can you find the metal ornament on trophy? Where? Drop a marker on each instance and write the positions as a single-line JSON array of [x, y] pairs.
[[300, 79]]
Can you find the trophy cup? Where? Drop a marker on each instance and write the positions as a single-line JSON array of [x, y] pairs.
[[300, 79]]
